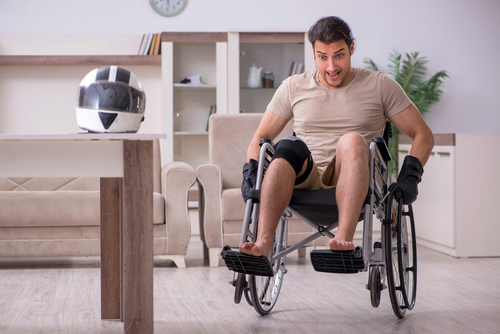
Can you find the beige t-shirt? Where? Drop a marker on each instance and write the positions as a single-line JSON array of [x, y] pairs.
[[321, 116]]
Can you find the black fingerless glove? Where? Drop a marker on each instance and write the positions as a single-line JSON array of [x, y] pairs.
[[250, 173], [408, 180]]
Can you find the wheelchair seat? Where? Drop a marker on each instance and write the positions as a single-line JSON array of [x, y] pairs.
[[319, 206]]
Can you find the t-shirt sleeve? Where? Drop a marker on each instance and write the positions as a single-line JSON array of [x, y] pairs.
[[394, 98], [281, 104]]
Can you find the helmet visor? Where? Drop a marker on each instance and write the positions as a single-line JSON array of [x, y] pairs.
[[113, 96]]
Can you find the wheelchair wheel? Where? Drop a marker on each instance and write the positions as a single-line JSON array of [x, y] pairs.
[[407, 256], [375, 286], [264, 291], [239, 285], [395, 283], [247, 296]]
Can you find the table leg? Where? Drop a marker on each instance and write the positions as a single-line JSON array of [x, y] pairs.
[[111, 202], [137, 246]]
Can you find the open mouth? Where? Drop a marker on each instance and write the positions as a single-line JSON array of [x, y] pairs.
[[333, 75]]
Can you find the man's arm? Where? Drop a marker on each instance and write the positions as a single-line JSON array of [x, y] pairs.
[[270, 127], [411, 123]]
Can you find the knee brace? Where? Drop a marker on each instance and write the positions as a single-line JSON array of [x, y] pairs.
[[293, 150]]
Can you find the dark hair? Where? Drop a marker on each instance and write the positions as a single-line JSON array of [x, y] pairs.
[[329, 30]]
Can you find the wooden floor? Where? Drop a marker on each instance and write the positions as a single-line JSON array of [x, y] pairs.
[[62, 296]]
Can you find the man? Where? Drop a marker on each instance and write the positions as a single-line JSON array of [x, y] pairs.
[[337, 110]]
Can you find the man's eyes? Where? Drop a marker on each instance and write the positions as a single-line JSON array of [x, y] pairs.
[[336, 56]]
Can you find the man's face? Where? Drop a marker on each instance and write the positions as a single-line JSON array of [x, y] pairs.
[[333, 62]]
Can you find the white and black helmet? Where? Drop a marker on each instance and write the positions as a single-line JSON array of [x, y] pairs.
[[110, 99]]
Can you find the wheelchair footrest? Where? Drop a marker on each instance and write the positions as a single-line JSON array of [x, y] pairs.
[[339, 262], [246, 264]]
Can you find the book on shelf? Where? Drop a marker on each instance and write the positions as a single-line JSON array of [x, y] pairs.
[[143, 44], [150, 44], [296, 68], [213, 110], [157, 44], [300, 68], [292, 68]]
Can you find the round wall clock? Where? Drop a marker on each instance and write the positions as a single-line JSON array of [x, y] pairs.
[[168, 7]]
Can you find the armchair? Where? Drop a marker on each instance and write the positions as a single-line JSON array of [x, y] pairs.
[[221, 207]]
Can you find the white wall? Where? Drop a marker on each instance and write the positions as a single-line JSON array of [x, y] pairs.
[[457, 36]]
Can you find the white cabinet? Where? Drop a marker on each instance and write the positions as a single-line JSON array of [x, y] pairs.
[[455, 210]]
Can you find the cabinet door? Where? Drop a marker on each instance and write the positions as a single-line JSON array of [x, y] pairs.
[[434, 209]]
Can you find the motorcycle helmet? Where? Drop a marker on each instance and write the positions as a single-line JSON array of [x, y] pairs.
[[110, 99]]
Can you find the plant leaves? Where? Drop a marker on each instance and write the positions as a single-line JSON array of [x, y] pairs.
[[371, 65], [410, 73], [413, 71], [395, 66]]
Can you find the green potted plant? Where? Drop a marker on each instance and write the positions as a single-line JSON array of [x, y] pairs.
[[410, 73]]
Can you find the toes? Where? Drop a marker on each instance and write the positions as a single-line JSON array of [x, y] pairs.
[[246, 247], [341, 245]]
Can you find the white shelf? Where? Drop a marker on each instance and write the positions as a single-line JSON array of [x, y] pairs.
[[194, 87], [190, 133], [259, 88]]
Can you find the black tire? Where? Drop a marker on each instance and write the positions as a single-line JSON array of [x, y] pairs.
[[247, 296], [375, 286], [240, 285], [407, 256], [264, 291], [395, 285]]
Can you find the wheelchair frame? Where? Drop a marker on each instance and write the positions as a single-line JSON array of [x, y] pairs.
[[393, 258]]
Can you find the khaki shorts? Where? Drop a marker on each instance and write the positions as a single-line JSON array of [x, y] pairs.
[[318, 180]]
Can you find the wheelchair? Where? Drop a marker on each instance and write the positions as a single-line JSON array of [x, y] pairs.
[[391, 262]]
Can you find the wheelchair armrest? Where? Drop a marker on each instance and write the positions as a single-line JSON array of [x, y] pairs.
[[270, 147], [382, 147], [265, 140]]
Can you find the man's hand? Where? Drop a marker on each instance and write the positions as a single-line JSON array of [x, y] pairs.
[[408, 180], [249, 178]]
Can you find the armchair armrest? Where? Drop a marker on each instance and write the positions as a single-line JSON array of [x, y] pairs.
[[176, 179], [209, 193]]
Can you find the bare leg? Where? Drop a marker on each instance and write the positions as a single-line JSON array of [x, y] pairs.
[[351, 177], [276, 192]]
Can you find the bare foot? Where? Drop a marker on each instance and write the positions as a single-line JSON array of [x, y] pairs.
[[254, 249], [341, 244]]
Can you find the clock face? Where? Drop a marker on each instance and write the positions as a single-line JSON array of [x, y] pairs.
[[168, 7]]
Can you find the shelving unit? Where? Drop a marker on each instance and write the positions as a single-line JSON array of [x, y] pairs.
[[274, 52], [186, 107]]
